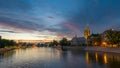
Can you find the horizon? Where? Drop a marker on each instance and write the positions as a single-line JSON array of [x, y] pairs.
[[53, 20]]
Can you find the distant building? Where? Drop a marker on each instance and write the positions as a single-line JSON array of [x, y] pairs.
[[78, 40], [86, 32]]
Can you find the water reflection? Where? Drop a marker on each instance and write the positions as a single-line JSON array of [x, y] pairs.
[[96, 56], [106, 60], [6, 54], [57, 58], [87, 58]]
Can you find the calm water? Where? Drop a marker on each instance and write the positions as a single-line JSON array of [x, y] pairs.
[[56, 58]]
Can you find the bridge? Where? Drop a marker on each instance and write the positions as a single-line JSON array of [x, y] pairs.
[[32, 41]]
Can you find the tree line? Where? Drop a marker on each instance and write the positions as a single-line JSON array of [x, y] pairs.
[[62, 42], [6, 43]]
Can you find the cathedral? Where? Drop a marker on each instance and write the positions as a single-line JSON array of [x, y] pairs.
[[81, 40], [78, 40]]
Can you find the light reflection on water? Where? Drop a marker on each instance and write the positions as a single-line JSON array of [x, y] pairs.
[[56, 58]]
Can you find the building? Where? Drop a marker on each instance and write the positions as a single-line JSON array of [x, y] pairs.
[[77, 41], [94, 40], [111, 38], [104, 38], [86, 32]]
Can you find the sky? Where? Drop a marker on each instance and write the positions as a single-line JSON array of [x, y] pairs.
[[55, 19]]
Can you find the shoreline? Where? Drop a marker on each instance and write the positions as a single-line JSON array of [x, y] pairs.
[[95, 49], [103, 49]]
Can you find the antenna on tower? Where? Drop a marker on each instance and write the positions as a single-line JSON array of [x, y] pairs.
[[87, 25]]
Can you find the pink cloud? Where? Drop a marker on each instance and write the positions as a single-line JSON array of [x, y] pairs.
[[72, 27], [13, 27]]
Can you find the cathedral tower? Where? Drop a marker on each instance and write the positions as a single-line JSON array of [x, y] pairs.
[[86, 32]]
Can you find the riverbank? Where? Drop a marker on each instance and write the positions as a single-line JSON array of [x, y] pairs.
[[100, 49], [70, 47], [74, 47], [5, 49], [103, 49]]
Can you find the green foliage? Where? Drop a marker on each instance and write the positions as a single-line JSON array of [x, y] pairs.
[[64, 42], [4, 42], [53, 43], [113, 37]]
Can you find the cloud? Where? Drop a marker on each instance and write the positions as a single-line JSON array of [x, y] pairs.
[[99, 15], [59, 19], [20, 22], [8, 31], [15, 5], [71, 27], [51, 17]]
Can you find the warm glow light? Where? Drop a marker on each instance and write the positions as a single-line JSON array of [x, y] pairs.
[[30, 36], [87, 58], [105, 58], [95, 43], [35, 46], [104, 43], [96, 57]]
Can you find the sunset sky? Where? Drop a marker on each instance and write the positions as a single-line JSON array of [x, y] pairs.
[[54, 19]]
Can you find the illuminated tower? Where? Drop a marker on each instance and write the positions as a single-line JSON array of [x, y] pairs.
[[87, 32]]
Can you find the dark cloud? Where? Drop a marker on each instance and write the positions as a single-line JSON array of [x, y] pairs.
[[97, 15], [15, 5], [9, 31], [51, 17], [20, 24], [62, 17]]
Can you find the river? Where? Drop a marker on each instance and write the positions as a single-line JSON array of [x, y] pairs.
[[56, 58]]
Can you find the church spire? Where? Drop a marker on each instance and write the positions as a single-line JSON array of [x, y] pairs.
[[87, 32]]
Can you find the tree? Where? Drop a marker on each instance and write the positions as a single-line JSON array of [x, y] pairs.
[[64, 42], [4, 42], [113, 37], [51, 44], [55, 43]]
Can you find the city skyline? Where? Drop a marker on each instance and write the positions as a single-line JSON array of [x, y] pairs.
[[54, 19]]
